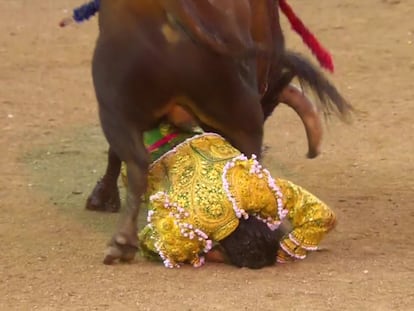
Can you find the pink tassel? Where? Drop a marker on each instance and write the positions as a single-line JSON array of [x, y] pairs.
[[323, 56]]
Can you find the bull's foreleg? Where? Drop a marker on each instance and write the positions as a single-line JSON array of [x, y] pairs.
[[124, 244], [117, 96], [105, 195]]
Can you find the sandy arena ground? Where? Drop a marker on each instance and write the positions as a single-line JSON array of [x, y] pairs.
[[53, 153]]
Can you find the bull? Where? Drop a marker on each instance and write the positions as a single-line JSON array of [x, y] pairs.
[[224, 61]]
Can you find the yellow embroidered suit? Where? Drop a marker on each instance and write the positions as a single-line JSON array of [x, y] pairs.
[[198, 191]]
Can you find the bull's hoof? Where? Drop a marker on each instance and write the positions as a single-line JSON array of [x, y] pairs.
[[104, 198], [122, 248], [313, 153]]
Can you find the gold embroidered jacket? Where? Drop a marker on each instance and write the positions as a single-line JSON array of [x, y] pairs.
[[198, 191]]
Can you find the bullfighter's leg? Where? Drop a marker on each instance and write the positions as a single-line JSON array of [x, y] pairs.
[[105, 195]]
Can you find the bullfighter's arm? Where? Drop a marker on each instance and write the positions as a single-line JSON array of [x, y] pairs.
[[309, 218]]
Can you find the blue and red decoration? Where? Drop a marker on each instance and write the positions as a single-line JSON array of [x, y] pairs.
[[82, 13]]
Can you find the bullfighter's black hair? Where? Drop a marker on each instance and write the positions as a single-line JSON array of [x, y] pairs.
[[252, 244]]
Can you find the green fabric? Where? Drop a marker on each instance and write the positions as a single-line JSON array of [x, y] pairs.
[[152, 136]]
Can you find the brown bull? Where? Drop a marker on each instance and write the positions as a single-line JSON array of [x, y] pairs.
[[148, 53], [211, 56]]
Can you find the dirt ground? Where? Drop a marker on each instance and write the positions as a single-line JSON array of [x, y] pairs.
[[53, 152]]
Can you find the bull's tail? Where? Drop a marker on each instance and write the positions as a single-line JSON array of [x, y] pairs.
[[310, 77]]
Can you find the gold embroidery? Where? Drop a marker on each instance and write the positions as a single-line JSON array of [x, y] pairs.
[[310, 218], [194, 206]]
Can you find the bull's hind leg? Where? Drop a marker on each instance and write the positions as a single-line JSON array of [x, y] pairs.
[[105, 195]]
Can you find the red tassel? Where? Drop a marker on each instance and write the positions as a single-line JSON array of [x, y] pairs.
[[323, 56]]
